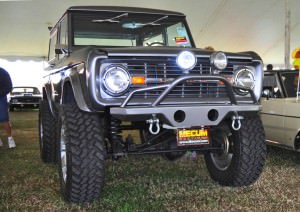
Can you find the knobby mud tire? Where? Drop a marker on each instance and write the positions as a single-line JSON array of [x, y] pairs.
[[83, 137], [248, 150]]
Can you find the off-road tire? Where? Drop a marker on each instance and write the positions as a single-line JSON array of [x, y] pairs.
[[82, 171], [248, 150], [47, 133]]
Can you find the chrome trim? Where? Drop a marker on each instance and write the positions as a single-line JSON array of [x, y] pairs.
[[170, 86]]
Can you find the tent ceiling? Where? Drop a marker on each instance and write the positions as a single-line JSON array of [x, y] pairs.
[[228, 25]]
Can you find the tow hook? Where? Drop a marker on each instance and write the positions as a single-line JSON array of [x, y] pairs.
[[236, 122], [154, 121]]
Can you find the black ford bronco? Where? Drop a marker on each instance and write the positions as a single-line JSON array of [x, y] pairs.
[[113, 69]]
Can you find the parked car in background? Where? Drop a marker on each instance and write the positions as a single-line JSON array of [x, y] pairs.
[[24, 97], [281, 108]]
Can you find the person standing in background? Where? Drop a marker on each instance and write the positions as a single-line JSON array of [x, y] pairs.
[[5, 88], [269, 67]]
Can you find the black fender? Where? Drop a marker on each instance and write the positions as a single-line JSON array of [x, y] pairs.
[[69, 88], [73, 82], [75, 89], [48, 95]]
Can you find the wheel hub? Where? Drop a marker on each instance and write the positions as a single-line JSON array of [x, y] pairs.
[[222, 160]]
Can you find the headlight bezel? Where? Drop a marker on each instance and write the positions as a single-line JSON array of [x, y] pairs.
[[238, 80], [219, 60], [107, 87]]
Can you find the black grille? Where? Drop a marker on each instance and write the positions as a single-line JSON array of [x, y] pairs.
[[162, 70], [25, 99]]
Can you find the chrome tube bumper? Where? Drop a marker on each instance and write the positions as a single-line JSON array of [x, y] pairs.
[[185, 116]]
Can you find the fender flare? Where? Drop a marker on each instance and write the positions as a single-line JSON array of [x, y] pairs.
[[76, 87], [47, 94]]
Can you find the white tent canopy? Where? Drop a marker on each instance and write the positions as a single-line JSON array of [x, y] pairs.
[[227, 25]]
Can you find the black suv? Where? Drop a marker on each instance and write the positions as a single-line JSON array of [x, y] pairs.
[[113, 69]]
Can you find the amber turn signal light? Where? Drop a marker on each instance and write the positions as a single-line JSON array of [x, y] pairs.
[[138, 80]]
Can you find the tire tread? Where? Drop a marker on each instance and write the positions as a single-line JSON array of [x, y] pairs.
[[86, 155], [48, 141]]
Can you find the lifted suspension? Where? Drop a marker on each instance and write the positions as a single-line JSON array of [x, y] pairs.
[[116, 139]]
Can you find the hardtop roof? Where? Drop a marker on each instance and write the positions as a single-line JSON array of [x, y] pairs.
[[117, 9], [124, 9]]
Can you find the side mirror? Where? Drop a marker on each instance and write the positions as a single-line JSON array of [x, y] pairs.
[[61, 49]]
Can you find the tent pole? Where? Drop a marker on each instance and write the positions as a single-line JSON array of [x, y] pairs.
[[287, 35]]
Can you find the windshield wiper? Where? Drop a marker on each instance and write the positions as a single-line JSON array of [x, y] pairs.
[[134, 25], [111, 20], [154, 22]]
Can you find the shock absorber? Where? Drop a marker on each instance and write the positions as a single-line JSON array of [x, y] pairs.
[[116, 137]]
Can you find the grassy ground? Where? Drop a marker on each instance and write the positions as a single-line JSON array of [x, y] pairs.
[[142, 183]]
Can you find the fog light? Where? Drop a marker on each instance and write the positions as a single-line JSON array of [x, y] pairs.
[[219, 60], [244, 78], [186, 60]]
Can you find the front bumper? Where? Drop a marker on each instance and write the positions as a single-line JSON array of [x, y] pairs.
[[184, 116], [25, 104], [208, 115]]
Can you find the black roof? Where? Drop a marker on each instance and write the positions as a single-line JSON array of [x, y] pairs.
[[124, 9]]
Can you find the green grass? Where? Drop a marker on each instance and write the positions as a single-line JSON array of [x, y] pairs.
[[141, 183]]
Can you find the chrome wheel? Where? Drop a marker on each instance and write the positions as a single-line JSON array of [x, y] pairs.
[[41, 134], [242, 153], [222, 160], [63, 154]]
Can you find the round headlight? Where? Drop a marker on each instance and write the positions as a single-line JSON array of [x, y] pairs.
[[116, 80], [219, 60], [244, 78], [186, 60]]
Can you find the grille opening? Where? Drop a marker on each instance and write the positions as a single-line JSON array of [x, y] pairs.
[[160, 70]]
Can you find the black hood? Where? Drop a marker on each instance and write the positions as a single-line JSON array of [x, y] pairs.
[[168, 51]]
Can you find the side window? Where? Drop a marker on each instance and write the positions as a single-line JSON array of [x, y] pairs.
[[270, 85], [269, 81], [52, 43], [63, 36], [290, 83]]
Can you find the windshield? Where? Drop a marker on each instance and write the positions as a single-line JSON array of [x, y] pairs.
[[290, 83], [21, 90], [129, 29]]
